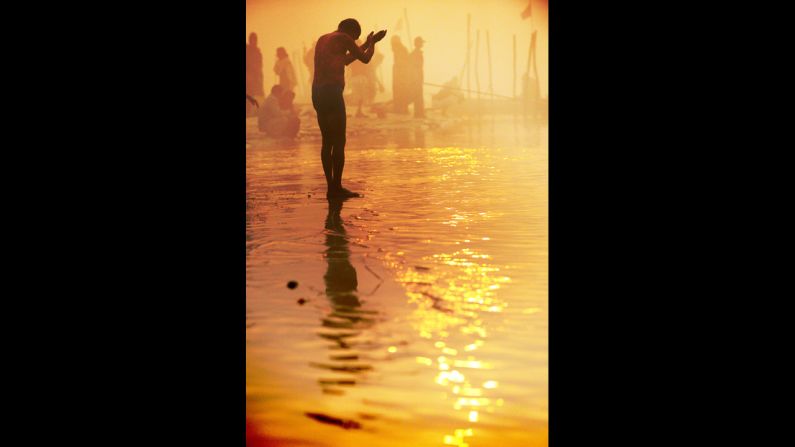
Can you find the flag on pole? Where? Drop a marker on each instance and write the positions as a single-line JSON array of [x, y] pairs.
[[528, 11]]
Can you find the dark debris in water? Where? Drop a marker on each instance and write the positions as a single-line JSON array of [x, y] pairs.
[[347, 424], [292, 284], [354, 369], [341, 382], [345, 357], [437, 303], [301, 301]]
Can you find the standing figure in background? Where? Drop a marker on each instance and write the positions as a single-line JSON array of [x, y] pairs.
[[357, 72], [417, 78], [254, 81], [401, 71], [284, 69], [374, 85]]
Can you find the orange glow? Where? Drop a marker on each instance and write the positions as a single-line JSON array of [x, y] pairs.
[[420, 317], [294, 24]]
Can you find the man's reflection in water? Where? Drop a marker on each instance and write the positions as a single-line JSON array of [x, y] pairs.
[[346, 319], [340, 277]]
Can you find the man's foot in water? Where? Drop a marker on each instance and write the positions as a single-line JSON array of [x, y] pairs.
[[348, 193], [340, 192]]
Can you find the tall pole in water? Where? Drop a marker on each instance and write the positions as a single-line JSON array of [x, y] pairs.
[[488, 52], [477, 75], [535, 67], [469, 44], [514, 66]]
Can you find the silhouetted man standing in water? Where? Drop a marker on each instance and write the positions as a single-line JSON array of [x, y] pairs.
[[332, 53]]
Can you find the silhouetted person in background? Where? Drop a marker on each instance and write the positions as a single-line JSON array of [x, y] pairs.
[[284, 69], [364, 81], [374, 85], [333, 52], [357, 72], [417, 78], [276, 115], [254, 83], [401, 73], [293, 123]]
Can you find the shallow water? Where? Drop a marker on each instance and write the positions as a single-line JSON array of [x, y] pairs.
[[420, 315]]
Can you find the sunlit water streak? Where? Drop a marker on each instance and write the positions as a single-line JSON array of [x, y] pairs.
[[421, 312]]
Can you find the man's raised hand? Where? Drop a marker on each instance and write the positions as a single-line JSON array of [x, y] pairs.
[[380, 35]]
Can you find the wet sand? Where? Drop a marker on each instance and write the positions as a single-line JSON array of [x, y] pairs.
[[420, 312]]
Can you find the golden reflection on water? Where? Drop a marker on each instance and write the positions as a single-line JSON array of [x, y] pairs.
[[453, 303], [422, 316]]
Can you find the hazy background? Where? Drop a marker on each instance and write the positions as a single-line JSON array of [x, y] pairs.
[[295, 24]]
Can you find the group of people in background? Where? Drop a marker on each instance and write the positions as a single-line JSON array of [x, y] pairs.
[[407, 77], [277, 115], [363, 81]]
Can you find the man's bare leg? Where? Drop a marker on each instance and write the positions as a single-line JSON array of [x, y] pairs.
[[337, 125], [325, 149], [338, 163]]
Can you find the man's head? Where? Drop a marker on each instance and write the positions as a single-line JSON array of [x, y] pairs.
[[277, 90], [281, 53], [418, 42], [350, 27], [252, 39]]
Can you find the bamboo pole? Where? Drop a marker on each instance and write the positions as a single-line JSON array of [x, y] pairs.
[[535, 67], [529, 57], [514, 65], [477, 75], [469, 50], [488, 52]]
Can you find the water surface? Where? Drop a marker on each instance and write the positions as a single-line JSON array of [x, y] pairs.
[[420, 315]]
